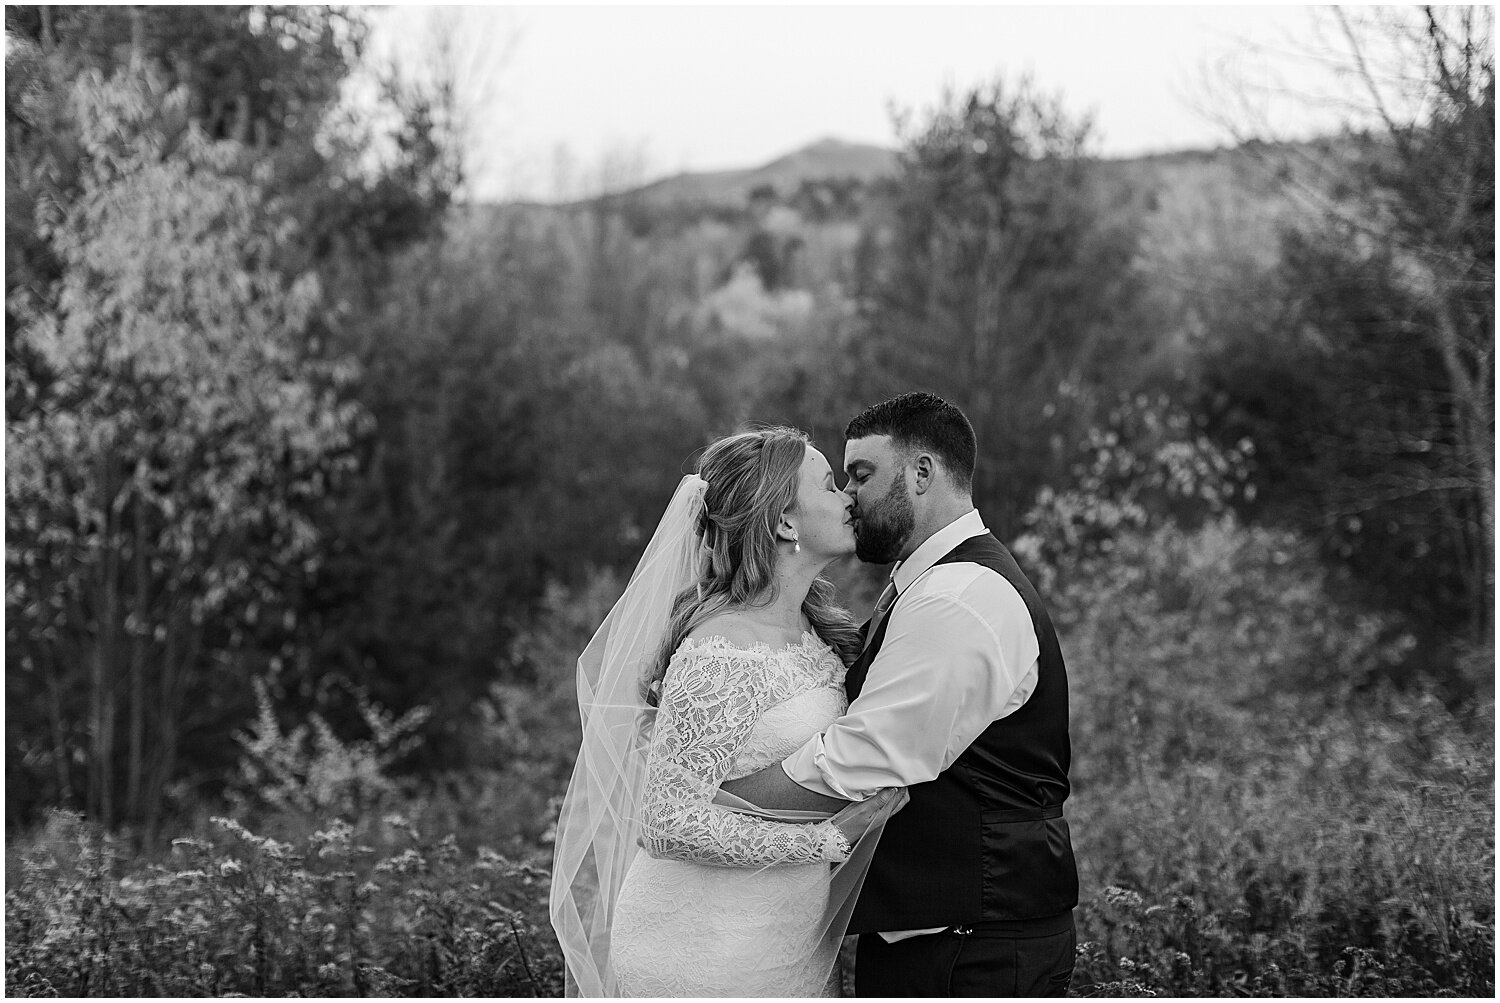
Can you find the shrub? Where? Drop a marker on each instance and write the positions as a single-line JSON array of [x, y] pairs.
[[310, 769], [1256, 809], [240, 913], [525, 733]]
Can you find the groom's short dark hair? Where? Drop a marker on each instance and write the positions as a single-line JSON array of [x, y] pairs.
[[922, 421]]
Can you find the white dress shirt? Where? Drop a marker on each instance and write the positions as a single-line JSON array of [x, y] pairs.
[[960, 652]]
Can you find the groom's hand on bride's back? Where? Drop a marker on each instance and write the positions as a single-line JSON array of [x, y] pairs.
[[855, 820]]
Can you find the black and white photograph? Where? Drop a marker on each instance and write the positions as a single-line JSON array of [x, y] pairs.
[[749, 501]]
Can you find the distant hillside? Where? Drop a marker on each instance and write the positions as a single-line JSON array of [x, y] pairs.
[[827, 159], [832, 160], [824, 196]]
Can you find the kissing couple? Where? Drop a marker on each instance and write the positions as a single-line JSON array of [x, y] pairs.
[[760, 776]]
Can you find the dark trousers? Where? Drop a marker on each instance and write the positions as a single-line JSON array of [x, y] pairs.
[[1034, 958]]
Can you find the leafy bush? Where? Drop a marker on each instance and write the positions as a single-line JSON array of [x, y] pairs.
[[239, 913], [525, 733], [309, 769], [1256, 810]]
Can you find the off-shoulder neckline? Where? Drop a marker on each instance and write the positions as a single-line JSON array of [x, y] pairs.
[[808, 639]]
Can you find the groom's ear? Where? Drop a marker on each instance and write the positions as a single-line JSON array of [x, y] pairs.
[[924, 472]]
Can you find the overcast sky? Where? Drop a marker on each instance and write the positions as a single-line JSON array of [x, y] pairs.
[[657, 90]]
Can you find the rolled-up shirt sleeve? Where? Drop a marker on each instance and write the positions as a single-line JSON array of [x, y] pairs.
[[960, 652]]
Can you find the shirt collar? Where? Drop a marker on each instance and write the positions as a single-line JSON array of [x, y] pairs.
[[968, 525]]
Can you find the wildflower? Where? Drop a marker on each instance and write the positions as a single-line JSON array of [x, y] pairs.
[[488, 860], [270, 847], [405, 862], [1122, 898], [339, 832], [404, 824]]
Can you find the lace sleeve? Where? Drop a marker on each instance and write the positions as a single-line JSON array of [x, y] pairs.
[[710, 703]]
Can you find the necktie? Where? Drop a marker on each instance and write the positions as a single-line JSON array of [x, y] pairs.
[[882, 607]]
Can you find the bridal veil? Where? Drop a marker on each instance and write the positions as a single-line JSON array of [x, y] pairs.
[[599, 827]]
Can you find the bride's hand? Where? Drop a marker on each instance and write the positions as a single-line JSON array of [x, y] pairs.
[[856, 819]]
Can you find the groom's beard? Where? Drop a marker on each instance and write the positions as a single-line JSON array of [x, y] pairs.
[[882, 529]]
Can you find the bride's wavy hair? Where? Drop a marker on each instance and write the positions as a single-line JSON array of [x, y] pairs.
[[752, 478]]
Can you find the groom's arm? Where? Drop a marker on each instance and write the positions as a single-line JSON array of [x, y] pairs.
[[772, 788], [944, 673], [958, 655]]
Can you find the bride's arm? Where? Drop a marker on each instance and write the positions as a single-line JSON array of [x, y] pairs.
[[709, 706], [772, 788]]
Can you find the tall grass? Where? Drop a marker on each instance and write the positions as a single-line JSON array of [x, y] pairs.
[[1267, 801]]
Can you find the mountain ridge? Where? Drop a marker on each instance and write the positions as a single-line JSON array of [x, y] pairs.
[[826, 159]]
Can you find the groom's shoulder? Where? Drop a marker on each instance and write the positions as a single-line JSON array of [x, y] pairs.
[[973, 585], [959, 577]]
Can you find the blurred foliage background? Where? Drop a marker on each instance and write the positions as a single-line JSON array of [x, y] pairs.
[[318, 477]]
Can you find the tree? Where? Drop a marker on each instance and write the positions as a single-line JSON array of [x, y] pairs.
[[261, 76], [999, 281], [267, 77], [520, 438], [257, 74], [161, 460], [276, 209], [1373, 409]]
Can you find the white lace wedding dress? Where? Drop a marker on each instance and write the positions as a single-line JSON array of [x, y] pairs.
[[722, 903]]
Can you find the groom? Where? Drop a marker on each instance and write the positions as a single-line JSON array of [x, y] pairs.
[[961, 696]]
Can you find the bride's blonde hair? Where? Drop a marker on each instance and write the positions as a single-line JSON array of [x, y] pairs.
[[752, 479]]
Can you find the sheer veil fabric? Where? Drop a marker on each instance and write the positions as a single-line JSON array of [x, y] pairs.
[[599, 827]]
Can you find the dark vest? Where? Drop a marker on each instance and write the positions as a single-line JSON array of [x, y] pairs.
[[986, 840]]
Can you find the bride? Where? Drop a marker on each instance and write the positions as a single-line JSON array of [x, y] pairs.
[[724, 655]]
